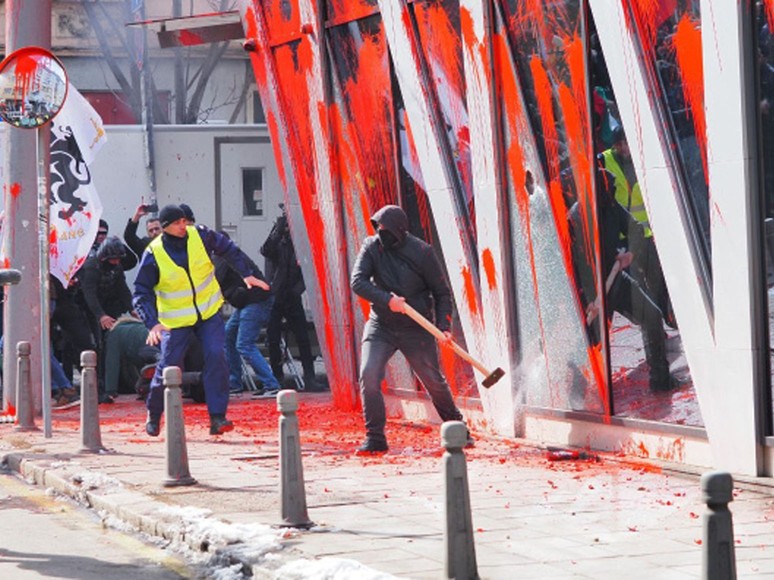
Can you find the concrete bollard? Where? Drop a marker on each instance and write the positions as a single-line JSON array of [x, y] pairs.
[[25, 412], [460, 557], [176, 450], [91, 439], [718, 560], [291, 469]]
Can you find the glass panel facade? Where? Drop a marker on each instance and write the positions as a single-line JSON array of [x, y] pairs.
[[361, 66], [764, 57], [546, 128], [650, 378], [440, 37], [671, 39]]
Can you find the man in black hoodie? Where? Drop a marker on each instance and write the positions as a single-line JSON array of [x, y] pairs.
[[392, 269]]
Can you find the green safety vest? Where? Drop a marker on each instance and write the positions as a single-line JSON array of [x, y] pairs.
[[631, 199], [182, 295]]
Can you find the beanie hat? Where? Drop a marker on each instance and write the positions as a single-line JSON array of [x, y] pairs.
[[170, 214], [104, 224], [189, 214]]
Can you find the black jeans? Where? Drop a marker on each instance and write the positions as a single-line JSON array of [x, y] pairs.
[[421, 352], [288, 307], [628, 298]]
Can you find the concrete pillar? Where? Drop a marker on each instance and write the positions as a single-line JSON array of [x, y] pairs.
[[460, 550], [291, 469], [26, 24], [718, 560], [175, 445], [91, 439]]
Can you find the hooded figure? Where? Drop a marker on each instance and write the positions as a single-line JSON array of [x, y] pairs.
[[402, 264], [394, 268]]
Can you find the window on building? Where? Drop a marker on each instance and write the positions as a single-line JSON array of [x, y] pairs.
[[252, 191]]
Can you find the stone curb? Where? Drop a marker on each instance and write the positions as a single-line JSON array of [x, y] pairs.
[[133, 508]]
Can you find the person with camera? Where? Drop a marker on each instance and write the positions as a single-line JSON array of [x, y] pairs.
[[287, 282], [152, 227]]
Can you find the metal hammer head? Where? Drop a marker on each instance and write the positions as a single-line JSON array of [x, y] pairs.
[[496, 375], [9, 276]]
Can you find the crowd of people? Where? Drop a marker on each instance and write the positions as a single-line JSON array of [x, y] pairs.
[[173, 316]]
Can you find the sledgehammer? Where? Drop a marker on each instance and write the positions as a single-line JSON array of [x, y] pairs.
[[491, 377]]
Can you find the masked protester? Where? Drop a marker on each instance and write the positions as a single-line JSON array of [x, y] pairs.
[[395, 268]]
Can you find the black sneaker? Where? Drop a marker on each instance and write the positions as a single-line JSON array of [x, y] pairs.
[[372, 447], [104, 398], [220, 425], [153, 426]]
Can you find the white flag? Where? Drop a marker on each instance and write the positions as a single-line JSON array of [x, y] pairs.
[[77, 134]]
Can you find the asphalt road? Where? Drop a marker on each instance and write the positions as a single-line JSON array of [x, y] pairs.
[[42, 536]]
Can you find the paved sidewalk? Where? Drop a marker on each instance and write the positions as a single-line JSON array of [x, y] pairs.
[[533, 518]]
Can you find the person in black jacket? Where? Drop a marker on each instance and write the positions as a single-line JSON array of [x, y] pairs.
[[395, 268], [621, 238], [152, 226], [252, 309], [284, 274]]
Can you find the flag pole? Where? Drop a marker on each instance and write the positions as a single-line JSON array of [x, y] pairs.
[[43, 138]]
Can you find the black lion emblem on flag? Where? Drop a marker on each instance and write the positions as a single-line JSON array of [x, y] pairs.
[[68, 172]]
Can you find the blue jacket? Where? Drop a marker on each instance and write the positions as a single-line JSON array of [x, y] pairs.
[[144, 298]]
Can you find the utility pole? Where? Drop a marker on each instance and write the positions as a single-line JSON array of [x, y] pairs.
[[26, 24], [146, 92]]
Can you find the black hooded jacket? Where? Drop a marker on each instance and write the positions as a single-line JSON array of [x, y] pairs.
[[409, 269]]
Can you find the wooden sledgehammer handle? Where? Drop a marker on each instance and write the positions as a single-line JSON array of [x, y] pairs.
[[490, 377]]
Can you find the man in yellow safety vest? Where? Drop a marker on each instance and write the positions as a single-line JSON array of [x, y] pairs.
[[177, 296], [646, 267]]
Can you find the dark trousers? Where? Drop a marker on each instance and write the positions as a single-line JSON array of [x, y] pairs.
[[288, 307], [174, 344], [74, 324], [421, 352], [628, 298], [646, 269]]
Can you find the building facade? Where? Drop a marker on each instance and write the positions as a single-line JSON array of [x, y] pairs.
[[515, 133]]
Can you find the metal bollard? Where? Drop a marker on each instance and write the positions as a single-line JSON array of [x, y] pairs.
[[176, 450], [91, 439], [25, 413], [460, 557], [718, 560], [291, 469]]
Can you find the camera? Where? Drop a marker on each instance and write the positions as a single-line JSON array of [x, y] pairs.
[[150, 208]]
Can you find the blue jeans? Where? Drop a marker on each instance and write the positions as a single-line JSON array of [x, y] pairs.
[[59, 379], [215, 374], [242, 331]]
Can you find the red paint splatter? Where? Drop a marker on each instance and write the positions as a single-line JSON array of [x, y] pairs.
[[189, 38], [469, 291], [687, 45], [489, 268], [15, 189]]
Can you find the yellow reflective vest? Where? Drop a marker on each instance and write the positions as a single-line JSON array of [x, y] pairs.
[[630, 198], [184, 295]]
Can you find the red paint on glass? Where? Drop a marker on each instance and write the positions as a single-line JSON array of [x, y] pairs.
[[687, 46], [545, 102], [768, 9]]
